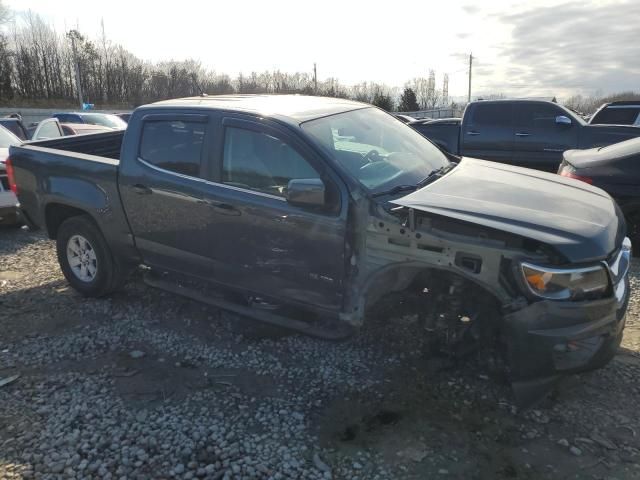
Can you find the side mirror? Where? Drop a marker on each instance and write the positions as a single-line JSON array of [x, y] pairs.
[[306, 192], [563, 120]]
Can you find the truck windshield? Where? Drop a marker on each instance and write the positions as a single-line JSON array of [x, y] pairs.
[[7, 139], [378, 150]]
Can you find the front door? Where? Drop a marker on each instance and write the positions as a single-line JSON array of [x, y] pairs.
[[268, 246], [538, 140]]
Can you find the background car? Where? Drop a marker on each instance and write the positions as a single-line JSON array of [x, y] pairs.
[[523, 132], [105, 119], [617, 113], [82, 128], [52, 128], [17, 127], [124, 116], [404, 118], [8, 200], [616, 170]]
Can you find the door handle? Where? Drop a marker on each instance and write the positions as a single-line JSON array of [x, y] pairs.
[[522, 134], [473, 133], [223, 208], [142, 189]]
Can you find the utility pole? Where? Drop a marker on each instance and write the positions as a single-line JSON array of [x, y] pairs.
[[470, 67], [72, 35], [315, 78]]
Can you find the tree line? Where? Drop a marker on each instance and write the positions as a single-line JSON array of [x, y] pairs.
[[39, 65]]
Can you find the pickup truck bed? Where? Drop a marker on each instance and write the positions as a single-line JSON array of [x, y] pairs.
[[75, 173], [107, 144]]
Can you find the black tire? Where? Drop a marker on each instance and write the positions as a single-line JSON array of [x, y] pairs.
[[109, 274]]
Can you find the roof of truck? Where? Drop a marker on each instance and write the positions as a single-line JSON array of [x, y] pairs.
[[298, 108]]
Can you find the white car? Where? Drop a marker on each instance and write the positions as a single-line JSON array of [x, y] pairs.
[[8, 200]]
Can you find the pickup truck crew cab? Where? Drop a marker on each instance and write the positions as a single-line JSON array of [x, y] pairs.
[[528, 133], [329, 205]]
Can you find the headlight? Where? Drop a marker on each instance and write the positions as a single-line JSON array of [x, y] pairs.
[[560, 284]]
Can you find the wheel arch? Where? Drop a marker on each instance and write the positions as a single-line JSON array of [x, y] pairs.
[[56, 213], [400, 276]]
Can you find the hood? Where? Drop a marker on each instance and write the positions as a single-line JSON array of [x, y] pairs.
[[595, 157], [580, 221]]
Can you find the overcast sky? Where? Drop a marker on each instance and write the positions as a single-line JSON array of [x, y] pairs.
[[522, 48]]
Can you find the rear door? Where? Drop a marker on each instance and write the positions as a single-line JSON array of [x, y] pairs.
[[487, 131], [164, 192], [540, 141]]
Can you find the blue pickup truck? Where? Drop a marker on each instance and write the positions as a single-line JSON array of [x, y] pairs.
[[272, 205], [527, 133]]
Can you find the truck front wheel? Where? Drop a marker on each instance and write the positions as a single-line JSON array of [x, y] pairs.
[[86, 259]]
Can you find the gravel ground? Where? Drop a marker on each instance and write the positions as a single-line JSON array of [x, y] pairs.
[[148, 385]]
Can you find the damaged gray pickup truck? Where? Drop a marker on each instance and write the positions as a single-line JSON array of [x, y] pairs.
[[327, 206]]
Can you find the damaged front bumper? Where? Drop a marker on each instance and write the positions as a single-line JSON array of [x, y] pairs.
[[550, 338]]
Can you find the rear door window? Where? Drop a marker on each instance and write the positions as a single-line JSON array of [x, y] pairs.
[[173, 145], [491, 114]]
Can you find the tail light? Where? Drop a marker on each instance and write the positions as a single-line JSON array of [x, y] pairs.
[[569, 171], [12, 176]]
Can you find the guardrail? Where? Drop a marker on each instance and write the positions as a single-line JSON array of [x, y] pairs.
[[434, 113], [35, 115]]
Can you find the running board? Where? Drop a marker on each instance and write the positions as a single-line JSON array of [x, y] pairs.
[[328, 331]]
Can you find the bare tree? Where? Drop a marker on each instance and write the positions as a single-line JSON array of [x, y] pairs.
[[5, 13], [38, 64]]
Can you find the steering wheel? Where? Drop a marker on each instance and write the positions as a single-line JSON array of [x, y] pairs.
[[373, 156]]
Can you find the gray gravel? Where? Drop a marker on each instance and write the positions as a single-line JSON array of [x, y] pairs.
[[147, 385]]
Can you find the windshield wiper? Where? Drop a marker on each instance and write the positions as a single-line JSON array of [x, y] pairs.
[[434, 174], [396, 189]]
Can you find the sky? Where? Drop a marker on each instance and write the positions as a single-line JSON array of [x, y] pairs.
[[520, 48]]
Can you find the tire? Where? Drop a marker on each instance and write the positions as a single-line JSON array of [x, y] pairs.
[[85, 258]]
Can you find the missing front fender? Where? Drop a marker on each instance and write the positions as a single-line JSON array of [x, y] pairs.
[[458, 318]]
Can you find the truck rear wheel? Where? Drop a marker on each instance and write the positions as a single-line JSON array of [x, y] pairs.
[[86, 259]]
